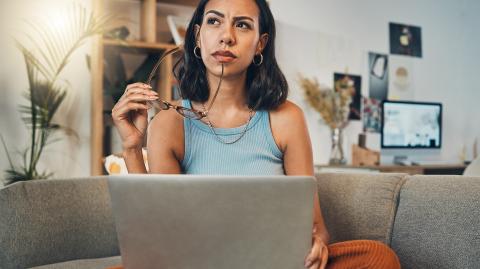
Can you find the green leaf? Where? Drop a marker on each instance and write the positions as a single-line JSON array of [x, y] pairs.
[[44, 63]]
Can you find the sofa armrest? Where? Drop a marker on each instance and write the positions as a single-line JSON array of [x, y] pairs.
[[359, 205], [437, 222], [50, 221]]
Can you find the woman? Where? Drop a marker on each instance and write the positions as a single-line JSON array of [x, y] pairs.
[[234, 117]]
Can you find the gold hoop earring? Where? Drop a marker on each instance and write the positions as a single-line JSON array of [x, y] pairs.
[[195, 52], [261, 60]]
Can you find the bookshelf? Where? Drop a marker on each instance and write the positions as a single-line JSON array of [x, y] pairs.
[[148, 41]]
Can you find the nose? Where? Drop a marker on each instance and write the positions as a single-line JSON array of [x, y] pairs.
[[228, 36]]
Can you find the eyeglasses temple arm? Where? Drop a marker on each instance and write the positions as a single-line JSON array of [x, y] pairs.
[[164, 55]]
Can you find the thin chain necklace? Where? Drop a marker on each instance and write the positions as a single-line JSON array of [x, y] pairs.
[[221, 140], [209, 123]]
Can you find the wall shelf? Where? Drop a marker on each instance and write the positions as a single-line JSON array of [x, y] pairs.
[[149, 46]]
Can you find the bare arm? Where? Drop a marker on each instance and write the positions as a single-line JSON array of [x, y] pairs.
[[165, 143], [298, 157], [291, 134], [134, 161]]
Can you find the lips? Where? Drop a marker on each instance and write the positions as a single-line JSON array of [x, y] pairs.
[[224, 56]]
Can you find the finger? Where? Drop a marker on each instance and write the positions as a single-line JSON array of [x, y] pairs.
[[141, 90], [123, 110], [138, 88], [138, 96], [324, 257], [313, 255], [138, 85], [130, 99], [314, 265]]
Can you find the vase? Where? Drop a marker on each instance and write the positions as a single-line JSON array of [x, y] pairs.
[[336, 155]]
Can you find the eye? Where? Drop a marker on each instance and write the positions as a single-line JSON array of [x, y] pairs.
[[213, 21], [243, 25]]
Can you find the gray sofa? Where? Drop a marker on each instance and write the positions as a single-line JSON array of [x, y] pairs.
[[430, 221]]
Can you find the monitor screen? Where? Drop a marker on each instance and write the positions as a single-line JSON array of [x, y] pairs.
[[411, 125]]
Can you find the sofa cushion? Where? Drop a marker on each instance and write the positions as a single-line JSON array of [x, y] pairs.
[[437, 222], [100, 263], [359, 206], [51, 221]]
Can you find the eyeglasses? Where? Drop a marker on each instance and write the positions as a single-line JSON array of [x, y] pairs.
[[164, 105], [185, 112]]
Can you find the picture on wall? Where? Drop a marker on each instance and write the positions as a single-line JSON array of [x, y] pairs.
[[378, 74], [372, 121], [405, 40], [401, 78], [353, 83]]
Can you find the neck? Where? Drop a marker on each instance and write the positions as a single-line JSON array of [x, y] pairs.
[[231, 95]]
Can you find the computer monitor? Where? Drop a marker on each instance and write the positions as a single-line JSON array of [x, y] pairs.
[[411, 125]]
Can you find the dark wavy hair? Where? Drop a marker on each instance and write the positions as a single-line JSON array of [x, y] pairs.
[[266, 85]]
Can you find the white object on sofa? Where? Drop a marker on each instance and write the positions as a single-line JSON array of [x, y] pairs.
[[115, 164], [473, 169]]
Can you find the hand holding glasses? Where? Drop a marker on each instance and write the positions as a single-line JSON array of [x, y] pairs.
[[140, 97], [164, 105]]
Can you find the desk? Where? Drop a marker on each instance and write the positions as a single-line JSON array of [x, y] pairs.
[[439, 169]]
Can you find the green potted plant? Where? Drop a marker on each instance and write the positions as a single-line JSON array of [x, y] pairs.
[[46, 92]]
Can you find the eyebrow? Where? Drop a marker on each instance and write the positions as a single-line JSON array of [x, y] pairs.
[[234, 18]]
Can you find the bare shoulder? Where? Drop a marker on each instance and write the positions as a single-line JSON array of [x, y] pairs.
[[165, 132], [286, 121], [288, 112], [165, 121]]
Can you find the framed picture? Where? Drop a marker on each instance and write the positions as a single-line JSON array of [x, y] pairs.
[[372, 115], [353, 83], [401, 78], [405, 40], [378, 75], [178, 27]]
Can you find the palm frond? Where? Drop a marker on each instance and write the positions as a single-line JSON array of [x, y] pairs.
[[44, 64], [12, 176], [54, 46]]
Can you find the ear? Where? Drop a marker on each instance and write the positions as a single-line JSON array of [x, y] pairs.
[[262, 43], [196, 28]]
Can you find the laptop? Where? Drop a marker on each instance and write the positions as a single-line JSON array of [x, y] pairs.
[[213, 222]]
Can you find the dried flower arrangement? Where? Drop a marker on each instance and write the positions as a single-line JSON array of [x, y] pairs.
[[333, 106]]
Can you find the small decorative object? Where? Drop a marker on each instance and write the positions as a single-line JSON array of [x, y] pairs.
[[475, 149], [119, 33], [363, 156], [115, 164], [334, 107], [463, 154]]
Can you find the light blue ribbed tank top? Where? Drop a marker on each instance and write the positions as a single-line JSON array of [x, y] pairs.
[[254, 154]]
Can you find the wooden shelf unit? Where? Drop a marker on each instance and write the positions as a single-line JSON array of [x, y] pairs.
[[148, 43]]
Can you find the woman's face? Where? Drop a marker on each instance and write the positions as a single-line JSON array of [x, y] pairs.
[[229, 34]]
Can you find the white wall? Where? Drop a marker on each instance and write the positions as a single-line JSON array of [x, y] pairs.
[[447, 72]]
